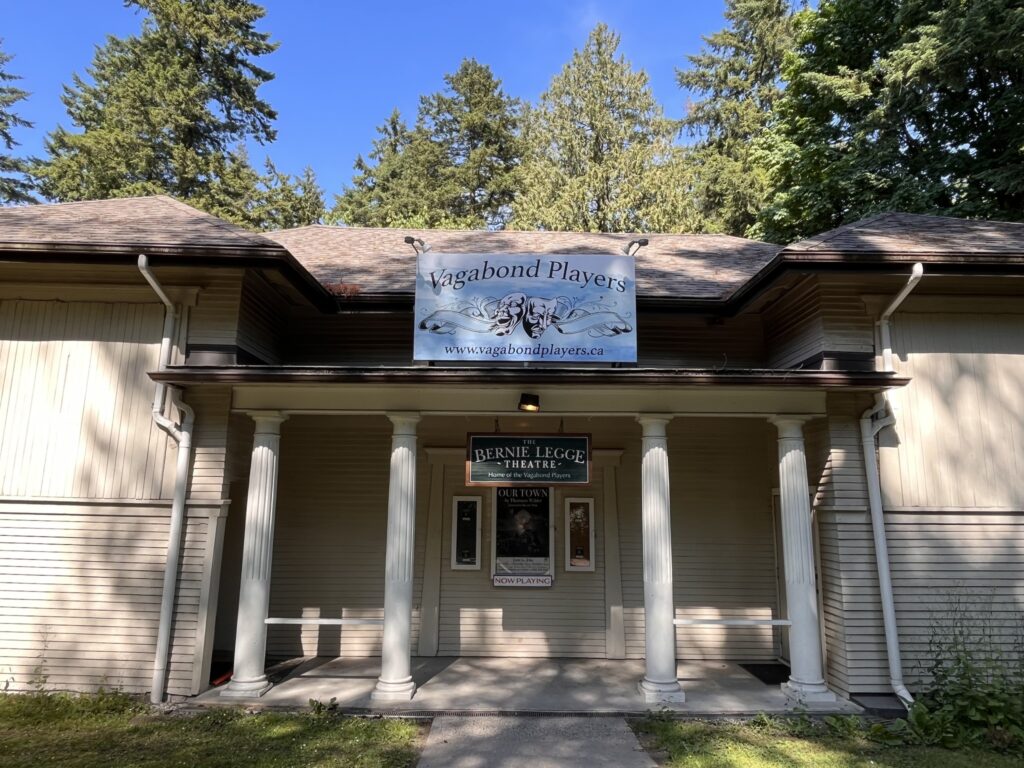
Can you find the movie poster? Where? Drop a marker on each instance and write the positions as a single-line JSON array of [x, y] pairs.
[[522, 531]]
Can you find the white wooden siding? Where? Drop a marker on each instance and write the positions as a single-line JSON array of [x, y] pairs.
[[478, 619], [722, 475], [937, 561], [75, 401], [959, 439], [80, 589], [330, 533]]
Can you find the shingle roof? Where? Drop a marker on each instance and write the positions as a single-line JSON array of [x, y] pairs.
[[379, 261], [158, 223], [908, 233]]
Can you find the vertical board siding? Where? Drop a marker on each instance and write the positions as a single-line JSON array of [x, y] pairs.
[[330, 533], [75, 401], [478, 619], [959, 437], [80, 590], [722, 475]]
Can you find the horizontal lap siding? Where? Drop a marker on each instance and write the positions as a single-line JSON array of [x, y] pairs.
[[793, 327], [721, 479], [259, 319], [938, 561], [330, 534], [80, 590], [478, 619]]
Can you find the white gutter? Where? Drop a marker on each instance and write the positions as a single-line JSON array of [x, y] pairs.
[[870, 426], [182, 435]]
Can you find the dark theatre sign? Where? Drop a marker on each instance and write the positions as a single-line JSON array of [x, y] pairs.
[[514, 459]]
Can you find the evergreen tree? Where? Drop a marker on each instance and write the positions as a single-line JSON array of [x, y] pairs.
[[15, 184], [738, 78], [913, 105], [167, 111], [456, 168], [595, 141], [393, 187]]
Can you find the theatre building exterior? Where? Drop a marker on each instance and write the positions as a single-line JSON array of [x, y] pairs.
[[333, 442]]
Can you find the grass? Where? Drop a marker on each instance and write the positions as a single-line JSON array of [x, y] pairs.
[[116, 730], [793, 743]]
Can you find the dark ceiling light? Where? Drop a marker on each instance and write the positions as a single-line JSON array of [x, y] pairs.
[[529, 403]]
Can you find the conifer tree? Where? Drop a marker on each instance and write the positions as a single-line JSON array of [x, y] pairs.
[[912, 105], [737, 76], [168, 111], [594, 141], [455, 168], [15, 184]]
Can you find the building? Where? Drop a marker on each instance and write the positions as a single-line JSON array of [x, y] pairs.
[[217, 441]]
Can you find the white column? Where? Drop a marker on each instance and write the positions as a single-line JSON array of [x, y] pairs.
[[659, 683], [248, 678], [806, 680], [395, 682]]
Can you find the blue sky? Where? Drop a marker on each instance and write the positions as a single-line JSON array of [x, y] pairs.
[[342, 66]]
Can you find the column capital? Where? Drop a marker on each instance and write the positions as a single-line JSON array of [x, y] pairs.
[[404, 421], [654, 424], [789, 426], [268, 422]]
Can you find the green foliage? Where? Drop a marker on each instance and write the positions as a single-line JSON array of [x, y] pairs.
[[115, 729], [167, 111], [599, 147], [912, 105], [15, 184], [456, 169], [738, 77], [768, 741]]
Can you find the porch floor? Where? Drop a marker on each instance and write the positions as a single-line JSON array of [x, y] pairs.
[[468, 684]]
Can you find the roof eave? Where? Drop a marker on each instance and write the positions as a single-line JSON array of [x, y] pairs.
[[414, 375]]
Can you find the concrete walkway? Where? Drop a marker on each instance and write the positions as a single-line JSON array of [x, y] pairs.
[[536, 742], [461, 684]]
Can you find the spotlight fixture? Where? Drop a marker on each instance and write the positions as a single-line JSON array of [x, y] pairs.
[[529, 403], [418, 243], [628, 250]]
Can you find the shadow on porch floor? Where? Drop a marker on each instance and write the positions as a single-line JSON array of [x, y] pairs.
[[467, 684]]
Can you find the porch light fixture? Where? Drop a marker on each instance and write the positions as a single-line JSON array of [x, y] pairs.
[[529, 403], [418, 244], [628, 250]]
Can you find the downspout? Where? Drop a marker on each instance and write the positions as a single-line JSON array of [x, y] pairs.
[[182, 435], [873, 421]]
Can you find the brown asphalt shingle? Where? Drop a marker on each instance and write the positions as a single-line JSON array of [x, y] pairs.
[[158, 222], [379, 261], [909, 233]]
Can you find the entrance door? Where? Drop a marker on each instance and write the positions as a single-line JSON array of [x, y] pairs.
[[477, 618]]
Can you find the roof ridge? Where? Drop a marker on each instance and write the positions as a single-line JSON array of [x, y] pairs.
[[227, 226]]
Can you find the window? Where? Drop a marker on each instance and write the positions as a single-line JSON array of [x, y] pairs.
[[579, 534], [466, 533]]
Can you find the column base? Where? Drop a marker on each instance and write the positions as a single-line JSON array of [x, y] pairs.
[[387, 691], [658, 693], [246, 689], [808, 695]]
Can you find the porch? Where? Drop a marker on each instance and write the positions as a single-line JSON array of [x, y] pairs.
[[504, 685]]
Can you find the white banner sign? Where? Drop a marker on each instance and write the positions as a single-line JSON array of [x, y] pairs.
[[551, 308]]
